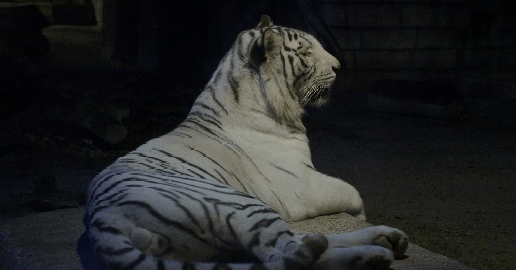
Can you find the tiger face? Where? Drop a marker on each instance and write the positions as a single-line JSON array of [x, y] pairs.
[[314, 68], [298, 59]]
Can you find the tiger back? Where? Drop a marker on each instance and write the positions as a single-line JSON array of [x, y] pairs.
[[216, 191]]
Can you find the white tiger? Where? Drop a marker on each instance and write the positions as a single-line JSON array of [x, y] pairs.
[[215, 192]]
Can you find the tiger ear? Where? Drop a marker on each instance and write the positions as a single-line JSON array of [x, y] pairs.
[[265, 21], [266, 47], [272, 42], [257, 53]]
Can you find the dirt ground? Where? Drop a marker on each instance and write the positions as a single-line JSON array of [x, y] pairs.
[[451, 185]]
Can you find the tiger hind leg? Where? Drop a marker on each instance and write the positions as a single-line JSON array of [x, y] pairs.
[[302, 256], [309, 252]]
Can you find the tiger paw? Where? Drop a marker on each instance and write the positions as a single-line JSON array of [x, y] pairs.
[[148, 241], [306, 254], [393, 239], [317, 244], [358, 257]]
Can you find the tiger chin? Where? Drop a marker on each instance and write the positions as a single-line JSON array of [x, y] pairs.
[[216, 192]]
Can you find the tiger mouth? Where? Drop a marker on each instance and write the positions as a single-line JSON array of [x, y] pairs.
[[315, 93]]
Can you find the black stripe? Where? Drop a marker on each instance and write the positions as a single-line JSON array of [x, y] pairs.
[[224, 181], [285, 67], [167, 221], [310, 166], [230, 226], [139, 173], [106, 190], [291, 61], [261, 211], [218, 73], [284, 170], [272, 243], [225, 142], [103, 228], [98, 183], [187, 211], [180, 133], [302, 62], [280, 201], [192, 165], [264, 223], [195, 188], [196, 174], [207, 118], [311, 73], [111, 196], [289, 86], [115, 252], [167, 191], [255, 241], [148, 157], [237, 206], [207, 108], [92, 211], [217, 101], [213, 161], [181, 186], [191, 120], [233, 84], [135, 263], [241, 183]]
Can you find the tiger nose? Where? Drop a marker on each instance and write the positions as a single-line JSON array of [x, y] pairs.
[[335, 64]]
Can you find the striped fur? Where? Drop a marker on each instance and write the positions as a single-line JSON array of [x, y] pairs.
[[215, 192]]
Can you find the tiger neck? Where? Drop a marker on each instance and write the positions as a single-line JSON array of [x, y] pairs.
[[245, 98]]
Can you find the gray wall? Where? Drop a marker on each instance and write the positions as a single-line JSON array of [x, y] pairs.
[[412, 38]]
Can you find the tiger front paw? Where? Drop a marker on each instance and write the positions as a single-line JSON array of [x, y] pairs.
[[356, 258], [391, 238]]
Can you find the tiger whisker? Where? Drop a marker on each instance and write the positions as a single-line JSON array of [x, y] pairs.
[[314, 91]]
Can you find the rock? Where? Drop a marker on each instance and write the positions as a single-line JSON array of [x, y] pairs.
[[57, 240]]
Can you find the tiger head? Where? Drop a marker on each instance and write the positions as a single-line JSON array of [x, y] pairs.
[[294, 68]]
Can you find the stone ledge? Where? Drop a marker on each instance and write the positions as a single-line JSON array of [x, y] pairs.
[[55, 240]]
